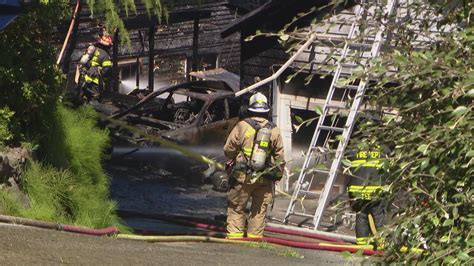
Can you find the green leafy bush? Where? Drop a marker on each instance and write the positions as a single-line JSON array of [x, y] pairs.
[[29, 80], [426, 75], [433, 159]]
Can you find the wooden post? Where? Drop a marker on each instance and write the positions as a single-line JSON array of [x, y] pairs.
[[194, 65], [115, 70], [137, 74], [151, 57]]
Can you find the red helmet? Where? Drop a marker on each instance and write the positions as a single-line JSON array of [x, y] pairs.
[[105, 40]]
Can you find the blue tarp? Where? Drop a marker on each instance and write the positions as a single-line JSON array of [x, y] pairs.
[[9, 10], [14, 3]]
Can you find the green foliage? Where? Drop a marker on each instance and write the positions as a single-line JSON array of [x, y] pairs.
[[109, 10], [76, 144], [8, 203], [49, 191], [70, 185], [29, 80], [5, 120], [430, 85], [432, 159]]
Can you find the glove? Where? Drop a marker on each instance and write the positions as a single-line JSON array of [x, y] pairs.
[[274, 174], [229, 166]]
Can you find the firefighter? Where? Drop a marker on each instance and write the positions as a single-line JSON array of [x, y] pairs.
[[256, 146], [96, 67], [365, 190]]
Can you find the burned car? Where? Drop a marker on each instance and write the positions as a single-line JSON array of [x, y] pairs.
[[199, 112]]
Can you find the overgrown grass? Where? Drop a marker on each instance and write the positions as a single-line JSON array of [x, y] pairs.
[[69, 185], [8, 203]]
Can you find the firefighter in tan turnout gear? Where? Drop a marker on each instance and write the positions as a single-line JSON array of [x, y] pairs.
[[256, 146]]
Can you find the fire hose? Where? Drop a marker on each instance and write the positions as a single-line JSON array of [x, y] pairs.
[[60, 227], [214, 237], [211, 225]]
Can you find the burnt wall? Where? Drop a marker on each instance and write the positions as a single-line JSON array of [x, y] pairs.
[[258, 59], [173, 39]]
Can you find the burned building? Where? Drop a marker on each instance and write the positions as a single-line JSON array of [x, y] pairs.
[[164, 52]]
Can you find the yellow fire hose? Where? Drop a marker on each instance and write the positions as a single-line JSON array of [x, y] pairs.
[[179, 239], [373, 229], [372, 226]]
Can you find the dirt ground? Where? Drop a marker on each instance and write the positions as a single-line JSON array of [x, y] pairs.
[[145, 188]]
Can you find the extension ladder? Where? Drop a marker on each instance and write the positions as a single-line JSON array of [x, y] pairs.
[[334, 133]]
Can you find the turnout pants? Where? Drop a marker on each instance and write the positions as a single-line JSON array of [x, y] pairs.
[[363, 208], [260, 194]]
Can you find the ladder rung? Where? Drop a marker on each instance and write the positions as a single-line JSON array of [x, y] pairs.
[[360, 45], [337, 129], [321, 171], [311, 193], [303, 214], [336, 107], [318, 171], [347, 87], [349, 65]]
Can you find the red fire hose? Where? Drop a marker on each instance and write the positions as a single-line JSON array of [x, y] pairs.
[[338, 247], [317, 246], [60, 227]]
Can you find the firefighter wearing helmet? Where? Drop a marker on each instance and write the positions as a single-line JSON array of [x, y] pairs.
[[95, 66], [256, 146], [366, 185]]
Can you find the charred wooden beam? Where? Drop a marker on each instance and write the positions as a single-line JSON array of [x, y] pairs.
[[195, 44], [115, 69], [151, 57], [137, 74], [143, 20]]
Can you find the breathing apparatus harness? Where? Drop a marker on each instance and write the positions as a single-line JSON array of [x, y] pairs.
[[257, 161]]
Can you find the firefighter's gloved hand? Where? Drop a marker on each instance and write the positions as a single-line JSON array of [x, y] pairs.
[[274, 174], [229, 166]]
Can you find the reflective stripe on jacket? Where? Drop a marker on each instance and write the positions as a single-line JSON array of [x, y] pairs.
[[364, 192], [366, 181]]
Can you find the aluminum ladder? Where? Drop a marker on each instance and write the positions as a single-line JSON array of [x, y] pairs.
[[306, 177]]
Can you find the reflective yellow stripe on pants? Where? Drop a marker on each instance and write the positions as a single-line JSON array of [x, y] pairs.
[[254, 236], [91, 79], [362, 240], [234, 235]]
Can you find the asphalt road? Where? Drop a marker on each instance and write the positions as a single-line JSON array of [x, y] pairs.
[[26, 246]]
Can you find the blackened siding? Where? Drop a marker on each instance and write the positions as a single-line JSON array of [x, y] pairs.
[[259, 57], [173, 40]]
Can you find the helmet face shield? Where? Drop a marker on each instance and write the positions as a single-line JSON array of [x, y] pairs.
[[259, 107]]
